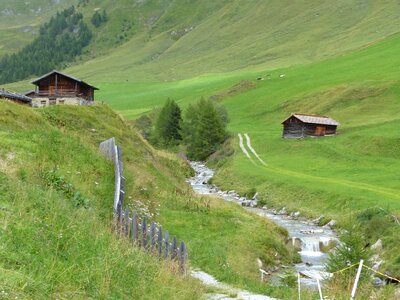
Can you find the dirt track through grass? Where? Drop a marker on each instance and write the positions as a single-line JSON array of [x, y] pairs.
[[248, 140], [244, 150]]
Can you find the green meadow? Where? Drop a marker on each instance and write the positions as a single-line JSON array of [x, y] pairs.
[[339, 59], [335, 176]]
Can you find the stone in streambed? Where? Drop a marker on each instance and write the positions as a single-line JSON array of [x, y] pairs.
[[330, 224]]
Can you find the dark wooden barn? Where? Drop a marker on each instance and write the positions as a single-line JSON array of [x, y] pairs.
[[301, 125], [14, 97], [57, 84]]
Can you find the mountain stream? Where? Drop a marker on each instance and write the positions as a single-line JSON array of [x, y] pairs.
[[311, 239]]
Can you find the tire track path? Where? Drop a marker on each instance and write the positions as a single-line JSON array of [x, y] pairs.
[[254, 151], [244, 150]]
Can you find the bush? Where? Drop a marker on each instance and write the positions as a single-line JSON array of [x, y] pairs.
[[350, 251]]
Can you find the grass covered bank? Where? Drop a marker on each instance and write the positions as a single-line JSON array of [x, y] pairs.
[[59, 244]]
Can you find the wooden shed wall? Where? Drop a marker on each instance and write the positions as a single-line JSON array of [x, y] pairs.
[[64, 87], [294, 128]]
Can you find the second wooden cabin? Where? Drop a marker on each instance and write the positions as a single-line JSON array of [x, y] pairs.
[[15, 97], [303, 125]]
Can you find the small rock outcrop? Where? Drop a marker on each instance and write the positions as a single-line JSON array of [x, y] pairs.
[[377, 247], [330, 224]]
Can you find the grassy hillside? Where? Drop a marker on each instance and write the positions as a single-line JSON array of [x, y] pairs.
[[156, 41], [55, 245], [20, 21]]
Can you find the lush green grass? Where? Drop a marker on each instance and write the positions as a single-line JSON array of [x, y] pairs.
[[52, 248]]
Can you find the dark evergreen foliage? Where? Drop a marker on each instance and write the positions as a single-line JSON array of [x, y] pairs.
[[204, 129], [168, 125], [59, 41], [99, 18]]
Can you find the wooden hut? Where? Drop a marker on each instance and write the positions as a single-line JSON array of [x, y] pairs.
[[59, 88], [302, 125], [15, 97]]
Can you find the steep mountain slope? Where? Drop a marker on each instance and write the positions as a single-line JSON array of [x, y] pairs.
[[20, 21], [157, 40], [241, 35]]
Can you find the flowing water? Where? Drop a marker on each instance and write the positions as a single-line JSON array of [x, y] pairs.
[[311, 239]]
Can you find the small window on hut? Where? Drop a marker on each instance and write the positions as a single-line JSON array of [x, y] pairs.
[[61, 101], [52, 101], [43, 102]]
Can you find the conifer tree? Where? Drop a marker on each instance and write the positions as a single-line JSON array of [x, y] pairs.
[[204, 129], [168, 125]]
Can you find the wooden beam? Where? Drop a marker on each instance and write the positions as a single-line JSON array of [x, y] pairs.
[[56, 84]]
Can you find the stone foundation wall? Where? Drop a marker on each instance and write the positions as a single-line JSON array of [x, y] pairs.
[[44, 102]]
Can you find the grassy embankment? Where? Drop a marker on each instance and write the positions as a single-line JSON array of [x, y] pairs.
[[54, 246]]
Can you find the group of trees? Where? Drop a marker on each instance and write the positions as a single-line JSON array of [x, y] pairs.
[[99, 18], [202, 129], [59, 41]]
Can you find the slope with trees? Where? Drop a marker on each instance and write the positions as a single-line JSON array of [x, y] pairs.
[[60, 41]]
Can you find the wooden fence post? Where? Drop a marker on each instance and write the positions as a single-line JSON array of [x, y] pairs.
[[119, 220], [174, 249], [159, 241], [144, 233], [135, 231], [167, 245], [152, 237], [121, 192], [182, 258], [126, 222]]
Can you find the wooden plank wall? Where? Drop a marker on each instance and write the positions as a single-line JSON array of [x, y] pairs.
[[128, 225]]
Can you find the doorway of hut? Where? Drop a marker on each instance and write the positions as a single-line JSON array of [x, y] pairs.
[[320, 130]]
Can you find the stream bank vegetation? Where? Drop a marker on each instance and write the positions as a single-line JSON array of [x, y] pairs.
[[200, 130]]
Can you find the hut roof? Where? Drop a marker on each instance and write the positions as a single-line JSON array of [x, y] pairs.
[[36, 81], [313, 119], [29, 92], [14, 96]]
